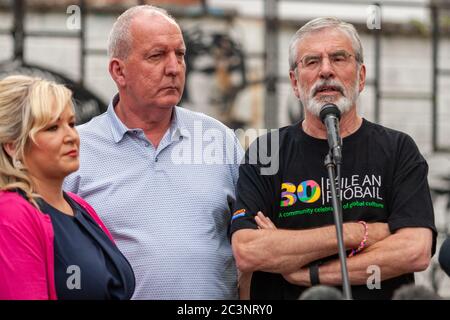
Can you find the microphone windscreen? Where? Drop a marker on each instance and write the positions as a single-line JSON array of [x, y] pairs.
[[329, 108]]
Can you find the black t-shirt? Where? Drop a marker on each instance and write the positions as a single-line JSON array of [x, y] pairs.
[[384, 179]]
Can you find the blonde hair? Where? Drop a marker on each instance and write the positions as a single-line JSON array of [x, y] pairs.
[[27, 105]]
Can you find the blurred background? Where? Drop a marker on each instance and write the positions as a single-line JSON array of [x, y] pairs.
[[237, 66]]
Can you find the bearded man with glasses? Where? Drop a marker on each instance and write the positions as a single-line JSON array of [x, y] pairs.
[[283, 228]]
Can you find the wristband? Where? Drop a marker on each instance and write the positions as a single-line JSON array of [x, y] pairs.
[[363, 243], [314, 274]]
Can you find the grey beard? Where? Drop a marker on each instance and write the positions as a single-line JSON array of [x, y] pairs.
[[315, 105], [344, 103]]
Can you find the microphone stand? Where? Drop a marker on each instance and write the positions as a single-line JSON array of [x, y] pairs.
[[331, 163]]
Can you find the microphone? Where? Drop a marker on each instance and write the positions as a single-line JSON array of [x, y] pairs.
[[330, 115]]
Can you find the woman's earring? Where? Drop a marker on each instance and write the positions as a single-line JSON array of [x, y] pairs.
[[17, 164]]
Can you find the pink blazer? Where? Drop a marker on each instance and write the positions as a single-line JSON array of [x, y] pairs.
[[26, 249]]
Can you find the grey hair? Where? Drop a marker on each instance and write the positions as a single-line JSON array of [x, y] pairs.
[[119, 41], [323, 23], [321, 292]]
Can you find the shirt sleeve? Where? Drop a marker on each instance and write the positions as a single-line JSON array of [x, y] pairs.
[[23, 264], [254, 193], [411, 204], [234, 148]]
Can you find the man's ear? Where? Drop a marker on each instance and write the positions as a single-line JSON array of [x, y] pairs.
[[9, 149], [117, 71], [294, 83], [362, 78]]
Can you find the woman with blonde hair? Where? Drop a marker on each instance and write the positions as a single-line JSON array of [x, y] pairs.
[[53, 244]]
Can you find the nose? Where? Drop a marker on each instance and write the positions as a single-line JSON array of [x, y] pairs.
[[326, 69], [173, 64], [71, 135]]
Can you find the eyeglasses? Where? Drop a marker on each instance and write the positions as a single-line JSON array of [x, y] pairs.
[[338, 59]]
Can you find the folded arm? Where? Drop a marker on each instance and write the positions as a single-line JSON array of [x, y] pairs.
[[286, 251], [407, 250]]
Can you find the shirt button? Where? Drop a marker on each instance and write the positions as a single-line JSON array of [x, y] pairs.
[[156, 159], [147, 144]]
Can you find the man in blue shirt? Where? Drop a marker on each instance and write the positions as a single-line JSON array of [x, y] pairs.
[[161, 177]]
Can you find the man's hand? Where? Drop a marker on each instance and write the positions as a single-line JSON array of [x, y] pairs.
[[263, 222], [377, 231]]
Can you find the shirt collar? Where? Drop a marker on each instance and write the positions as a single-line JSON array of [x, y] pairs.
[[119, 129], [177, 127]]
